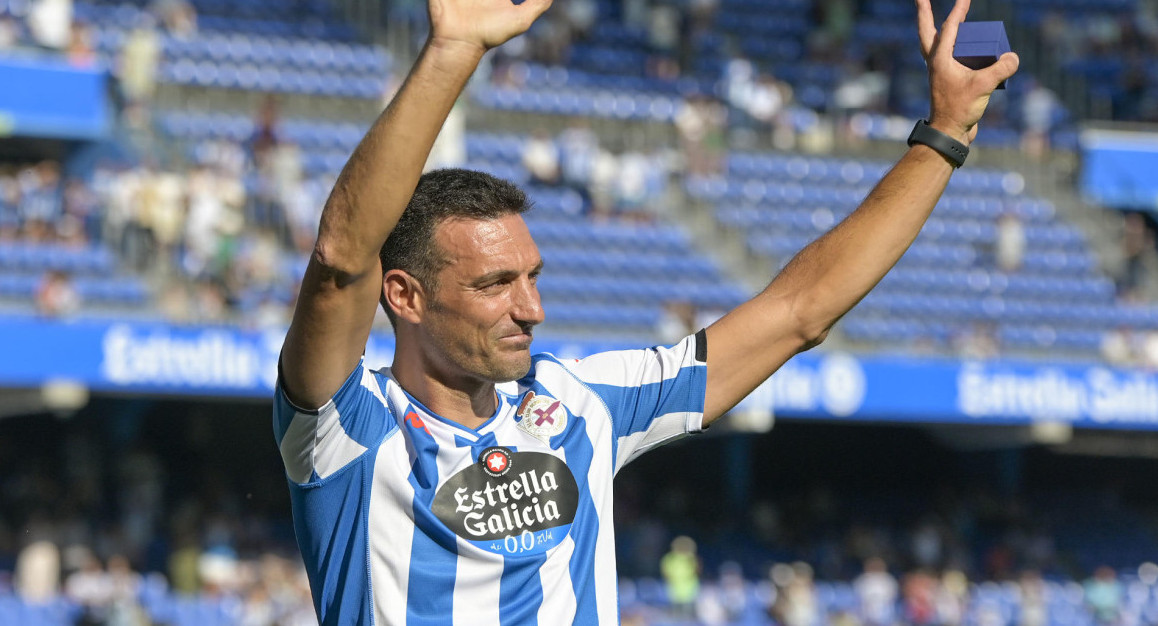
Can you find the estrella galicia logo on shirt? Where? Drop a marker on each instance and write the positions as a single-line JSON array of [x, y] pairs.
[[510, 502]]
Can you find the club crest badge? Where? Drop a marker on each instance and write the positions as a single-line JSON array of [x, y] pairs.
[[542, 417]]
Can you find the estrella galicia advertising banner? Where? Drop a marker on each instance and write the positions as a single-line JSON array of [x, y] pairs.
[[162, 359]]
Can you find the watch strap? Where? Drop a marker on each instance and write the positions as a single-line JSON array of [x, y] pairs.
[[950, 148]]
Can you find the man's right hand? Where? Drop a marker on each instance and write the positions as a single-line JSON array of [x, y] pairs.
[[481, 23], [958, 94]]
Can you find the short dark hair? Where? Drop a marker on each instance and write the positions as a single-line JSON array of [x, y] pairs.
[[442, 195]]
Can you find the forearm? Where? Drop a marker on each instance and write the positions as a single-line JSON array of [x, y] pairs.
[[376, 184], [832, 274]]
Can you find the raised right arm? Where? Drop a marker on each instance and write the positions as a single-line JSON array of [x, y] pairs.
[[343, 280]]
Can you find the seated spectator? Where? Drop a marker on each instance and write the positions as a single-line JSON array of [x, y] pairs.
[[37, 574], [541, 158], [80, 46], [1038, 110], [138, 62], [1104, 595], [1136, 243], [796, 603], [877, 591], [56, 296], [1010, 244], [681, 571], [40, 200], [178, 16], [10, 33], [50, 23]]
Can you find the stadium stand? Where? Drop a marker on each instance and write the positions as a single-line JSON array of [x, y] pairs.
[[194, 230]]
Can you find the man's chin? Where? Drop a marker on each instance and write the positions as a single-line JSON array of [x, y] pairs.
[[512, 370]]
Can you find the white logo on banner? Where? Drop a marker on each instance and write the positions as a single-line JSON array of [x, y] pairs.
[[842, 384]]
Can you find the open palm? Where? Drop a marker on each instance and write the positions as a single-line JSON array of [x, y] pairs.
[[486, 23]]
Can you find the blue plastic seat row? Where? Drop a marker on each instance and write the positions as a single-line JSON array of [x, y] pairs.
[[764, 22], [584, 102], [312, 29], [1078, 7], [254, 78], [876, 32], [1058, 261], [1101, 316], [611, 236], [745, 211], [288, 26], [534, 75], [921, 254], [314, 163], [787, 6], [602, 316], [559, 201], [494, 146], [717, 189], [768, 167], [33, 257], [123, 290], [627, 289], [764, 166], [629, 263], [510, 171], [617, 60], [617, 33], [864, 326], [308, 134], [14, 610], [982, 281], [279, 52], [775, 219], [299, 9], [1045, 337], [776, 50]]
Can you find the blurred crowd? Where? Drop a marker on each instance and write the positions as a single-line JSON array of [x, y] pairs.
[[123, 536], [790, 595], [226, 234], [1121, 47], [51, 26]]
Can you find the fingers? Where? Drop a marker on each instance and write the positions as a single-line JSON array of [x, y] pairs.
[[1005, 67], [535, 7], [926, 29], [949, 28]]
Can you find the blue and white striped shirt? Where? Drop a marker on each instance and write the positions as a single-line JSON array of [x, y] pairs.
[[404, 517]]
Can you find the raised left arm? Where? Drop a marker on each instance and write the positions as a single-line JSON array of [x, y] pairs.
[[833, 273]]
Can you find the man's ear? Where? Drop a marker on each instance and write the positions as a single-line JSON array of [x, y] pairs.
[[404, 295]]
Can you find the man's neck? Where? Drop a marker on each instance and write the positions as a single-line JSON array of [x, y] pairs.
[[468, 402]]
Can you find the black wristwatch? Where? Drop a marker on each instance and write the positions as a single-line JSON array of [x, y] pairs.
[[950, 148]]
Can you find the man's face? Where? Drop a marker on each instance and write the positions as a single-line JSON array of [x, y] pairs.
[[478, 319]]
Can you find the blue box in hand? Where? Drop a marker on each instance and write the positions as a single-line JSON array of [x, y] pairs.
[[980, 44]]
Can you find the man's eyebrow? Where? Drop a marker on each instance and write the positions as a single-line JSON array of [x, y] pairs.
[[498, 275]]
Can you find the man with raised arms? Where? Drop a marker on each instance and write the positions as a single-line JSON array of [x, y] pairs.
[[471, 481]]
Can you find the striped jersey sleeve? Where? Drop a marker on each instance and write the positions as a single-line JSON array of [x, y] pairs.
[[653, 395], [315, 444], [329, 457]]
